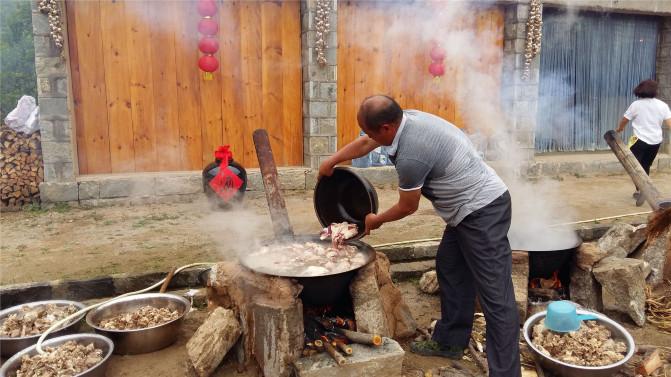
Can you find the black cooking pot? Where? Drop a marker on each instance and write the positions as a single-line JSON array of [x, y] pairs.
[[546, 257], [345, 196], [323, 289]]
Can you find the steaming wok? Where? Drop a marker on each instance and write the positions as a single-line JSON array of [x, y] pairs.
[[322, 289], [549, 248]]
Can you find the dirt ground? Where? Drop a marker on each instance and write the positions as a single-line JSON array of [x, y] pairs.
[[75, 243]]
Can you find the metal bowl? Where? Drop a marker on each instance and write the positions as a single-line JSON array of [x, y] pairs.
[[131, 342], [11, 366], [10, 346], [568, 370]]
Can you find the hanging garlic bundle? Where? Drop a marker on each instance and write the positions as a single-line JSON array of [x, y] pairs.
[[322, 27], [52, 10], [534, 34]]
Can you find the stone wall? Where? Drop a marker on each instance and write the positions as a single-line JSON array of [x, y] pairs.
[[53, 86], [320, 89], [520, 96]]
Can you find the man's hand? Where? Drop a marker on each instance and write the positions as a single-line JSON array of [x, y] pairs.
[[372, 222], [326, 168]]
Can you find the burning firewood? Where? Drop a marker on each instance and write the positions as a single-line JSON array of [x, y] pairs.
[[339, 232], [339, 359]]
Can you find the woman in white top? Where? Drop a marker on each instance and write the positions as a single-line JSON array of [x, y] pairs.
[[647, 115]]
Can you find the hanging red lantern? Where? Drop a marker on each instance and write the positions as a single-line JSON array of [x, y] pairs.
[[437, 69], [208, 26], [208, 45], [207, 8], [208, 64], [437, 53]]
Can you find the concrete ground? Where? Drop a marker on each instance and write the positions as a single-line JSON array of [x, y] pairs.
[[74, 243]]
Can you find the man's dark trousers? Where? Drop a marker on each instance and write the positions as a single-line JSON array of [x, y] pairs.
[[475, 256]]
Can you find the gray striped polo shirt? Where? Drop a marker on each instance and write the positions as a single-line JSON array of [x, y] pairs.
[[432, 154]]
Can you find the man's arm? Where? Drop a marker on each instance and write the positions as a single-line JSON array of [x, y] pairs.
[[667, 122], [622, 125], [408, 202], [357, 148]]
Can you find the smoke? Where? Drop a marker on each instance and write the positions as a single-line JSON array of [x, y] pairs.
[[536, 204]]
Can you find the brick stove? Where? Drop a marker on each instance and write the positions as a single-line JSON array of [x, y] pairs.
[[272, 316]]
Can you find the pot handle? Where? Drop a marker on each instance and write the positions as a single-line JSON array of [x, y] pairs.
[[587, 317]]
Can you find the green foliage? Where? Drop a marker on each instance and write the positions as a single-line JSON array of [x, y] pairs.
[[17, 54]]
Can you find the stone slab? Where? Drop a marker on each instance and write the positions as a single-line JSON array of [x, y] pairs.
[[179, 185], [386, 360], [53, 192], [413, 251], [89, 190], [411, 270], [585, 289]]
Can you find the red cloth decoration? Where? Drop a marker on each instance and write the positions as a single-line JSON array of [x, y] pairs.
[[208, 26], [208, 63], [208, 45], [207, 8], [226, 184]]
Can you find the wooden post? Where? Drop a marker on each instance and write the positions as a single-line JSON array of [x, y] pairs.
[[631, 165], [276, 204]]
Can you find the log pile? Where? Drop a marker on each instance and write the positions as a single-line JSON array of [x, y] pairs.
[[21, 169]]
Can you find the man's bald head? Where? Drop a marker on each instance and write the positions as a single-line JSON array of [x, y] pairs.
[[378, 110]]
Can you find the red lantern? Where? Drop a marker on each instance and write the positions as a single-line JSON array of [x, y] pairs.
[[437, 54], [208, 26], [208, 45], [208, 63], [437, 69], [207, 8]]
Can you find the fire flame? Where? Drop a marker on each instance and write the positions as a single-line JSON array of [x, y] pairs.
[[551, 283]]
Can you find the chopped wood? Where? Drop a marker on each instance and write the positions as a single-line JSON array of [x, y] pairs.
[[361, 338], [650, 364], [482, 362], [339, 359], [20, 168]]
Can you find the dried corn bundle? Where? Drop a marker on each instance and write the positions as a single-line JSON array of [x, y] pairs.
[[658, 307]]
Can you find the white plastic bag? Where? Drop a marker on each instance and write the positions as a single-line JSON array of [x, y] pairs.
[[24, 118]]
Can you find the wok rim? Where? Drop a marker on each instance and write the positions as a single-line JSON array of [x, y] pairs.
[[360, 245]]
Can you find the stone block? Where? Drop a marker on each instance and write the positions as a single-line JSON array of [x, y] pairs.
[[58, 171], [61, 84], [328, 91], [212, 341], [254, 182], [325, 127], [522, 12], [655, 254], [383, 176], [43, 86], [53, 107], [588, 254], [57, 151], [179, 185], [126, 187], [49, 66], [310, 179], [520, 277], [326, 73], [89, 190], [411, 270], [40, 25], [55, 131], [402, 253], [292, 179], [319, 109], [386, 360], [399, 318], [623, 286], [585, 289], [278, 332], [428, 283], [319, 145], [311, 90], [618, 240], [54, 192], [366, 302], [45, 47]]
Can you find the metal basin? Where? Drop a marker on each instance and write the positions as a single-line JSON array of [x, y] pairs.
[[130, 342], [11, 366], [10, 346], [567, 370]]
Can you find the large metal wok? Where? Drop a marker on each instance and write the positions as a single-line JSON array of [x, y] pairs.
[[322, 289], [317, 290]]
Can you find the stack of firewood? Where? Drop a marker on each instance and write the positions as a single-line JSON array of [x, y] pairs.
[[21, 169]]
